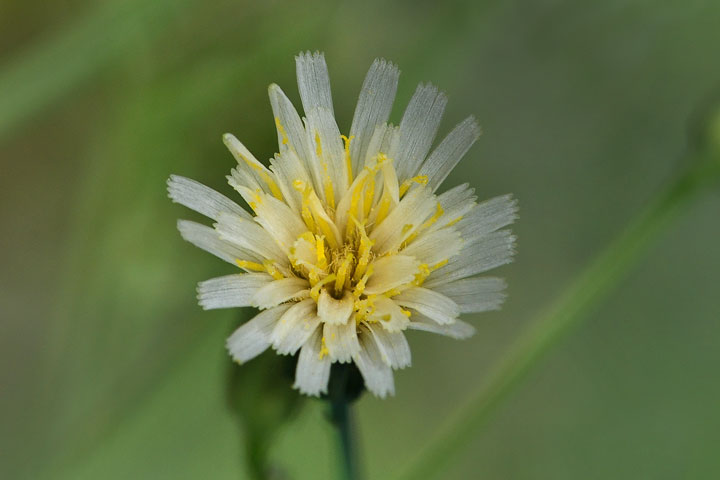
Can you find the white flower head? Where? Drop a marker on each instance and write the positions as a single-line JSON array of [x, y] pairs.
[[348, 244]]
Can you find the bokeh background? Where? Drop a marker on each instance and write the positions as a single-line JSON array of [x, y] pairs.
[[109, 369]]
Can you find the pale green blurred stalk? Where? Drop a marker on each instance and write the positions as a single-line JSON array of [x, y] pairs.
[[591, 287]]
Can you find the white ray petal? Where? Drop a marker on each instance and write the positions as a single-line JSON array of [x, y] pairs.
[[231, 290], [430, 303], [253, 337], [435, 247], [328, 154], [202, 199], [249, 235], [393, 347], [489, 216], [458, 329], [295, 327], [390, 272], [250, 172], [373, 108], [333, 311], [477, 256], [415, 207], [377, 374], [450, 151], [291, 131], [313, 368], [476, 294], [313, 81], [209, 240], [341, 340], [418, 128], [389, 314], [279, 291], [279, 221]]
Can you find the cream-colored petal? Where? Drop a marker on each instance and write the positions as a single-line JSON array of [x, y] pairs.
[[295, 327], [334, 311], [458, 329], [313, 367], [251, 236], [231, 290], [393, 346], [377, 374], [253, 337], [390, 272], [389, 314], [373, 107], [279, 291], [202, 199], [341, 340], [475, 294], [430, 303], [209, 240]]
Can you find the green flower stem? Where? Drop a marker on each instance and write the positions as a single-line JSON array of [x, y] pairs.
[[340, 397], [586, 292]]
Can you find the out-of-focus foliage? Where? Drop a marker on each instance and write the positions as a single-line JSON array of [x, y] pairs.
[[110, 370]]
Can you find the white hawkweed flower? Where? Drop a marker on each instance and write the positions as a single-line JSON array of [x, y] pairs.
[[349, 245]]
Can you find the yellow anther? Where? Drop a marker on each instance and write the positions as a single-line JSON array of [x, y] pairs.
[[348, 160], [303, 188], [360, 287], [273, 270], [420, 179], [343, 276], [320, 252], [364, 251], [315, 291], [407, 313], [250, 265]]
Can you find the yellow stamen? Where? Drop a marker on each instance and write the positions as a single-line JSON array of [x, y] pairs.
[[348, 160], [315, 291], [360, 287], [320, 252], [273, 270], [250, 265], [342, 273], [364, 251]]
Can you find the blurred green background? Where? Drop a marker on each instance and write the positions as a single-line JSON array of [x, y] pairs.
[[109, 369]]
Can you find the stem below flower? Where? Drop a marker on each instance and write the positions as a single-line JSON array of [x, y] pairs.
[[587, 291], [341, 392]]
